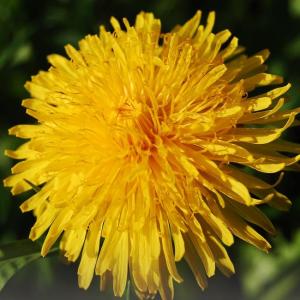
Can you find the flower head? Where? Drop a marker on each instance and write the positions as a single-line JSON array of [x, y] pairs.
[[138, 151]]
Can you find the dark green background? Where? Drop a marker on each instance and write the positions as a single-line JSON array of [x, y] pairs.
[[30, 30]]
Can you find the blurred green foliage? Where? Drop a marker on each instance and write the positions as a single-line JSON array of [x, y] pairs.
[[272, 277], [30, 30]]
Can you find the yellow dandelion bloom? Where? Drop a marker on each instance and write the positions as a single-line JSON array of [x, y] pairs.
[[138, 151]]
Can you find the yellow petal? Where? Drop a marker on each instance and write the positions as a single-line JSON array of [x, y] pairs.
[[56, 229], [223, 261], [195, 263], [167, 247], [261, 79], [254, 216], [205, 254], [178, 243], [89, 255], [244, 231]]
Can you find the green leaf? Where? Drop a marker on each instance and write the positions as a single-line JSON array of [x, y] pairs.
[[128, 290], [16, 255]]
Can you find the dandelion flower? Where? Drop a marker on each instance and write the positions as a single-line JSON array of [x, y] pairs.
[[139, 151]]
